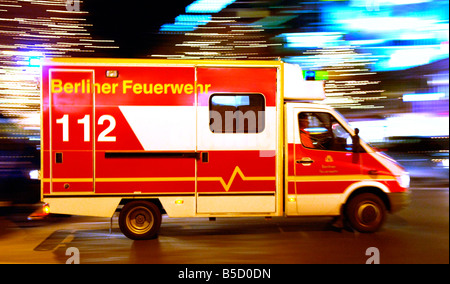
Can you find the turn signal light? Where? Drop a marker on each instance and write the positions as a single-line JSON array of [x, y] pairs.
[[40, 213], [46, 209]]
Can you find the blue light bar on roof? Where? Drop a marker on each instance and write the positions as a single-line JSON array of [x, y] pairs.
[[208, 6]]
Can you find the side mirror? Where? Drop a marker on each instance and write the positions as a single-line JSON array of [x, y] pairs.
[[356, 143]]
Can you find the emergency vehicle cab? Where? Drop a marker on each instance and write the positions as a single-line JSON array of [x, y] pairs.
[[195, 138]]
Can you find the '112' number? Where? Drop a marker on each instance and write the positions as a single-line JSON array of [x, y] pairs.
[[103, 137]]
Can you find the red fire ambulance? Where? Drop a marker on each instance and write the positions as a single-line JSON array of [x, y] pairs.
[[193, 138]]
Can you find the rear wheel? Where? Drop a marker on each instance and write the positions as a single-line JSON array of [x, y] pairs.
[[140, 220], [366, 213]]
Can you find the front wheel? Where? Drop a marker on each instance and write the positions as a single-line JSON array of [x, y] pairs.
[[366, 213], [140, 220]]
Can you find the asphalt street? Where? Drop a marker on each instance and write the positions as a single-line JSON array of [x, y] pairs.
[[418, 234]]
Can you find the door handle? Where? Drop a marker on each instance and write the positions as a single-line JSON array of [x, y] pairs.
[[305, 161]]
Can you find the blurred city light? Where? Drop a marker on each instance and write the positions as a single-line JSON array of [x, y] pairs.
[[185, 23], [208, 6], [29, 32], [423, 97], [425, 125], [309, 40]]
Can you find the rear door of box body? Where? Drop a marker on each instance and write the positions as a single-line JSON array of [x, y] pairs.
[[67, 140]]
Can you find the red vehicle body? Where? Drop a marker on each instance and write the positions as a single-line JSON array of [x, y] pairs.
[[203, 139]]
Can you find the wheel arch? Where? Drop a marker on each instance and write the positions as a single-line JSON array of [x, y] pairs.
[[155, 201], [376, 188]]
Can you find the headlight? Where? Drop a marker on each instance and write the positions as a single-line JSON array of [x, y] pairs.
[[403, 180]]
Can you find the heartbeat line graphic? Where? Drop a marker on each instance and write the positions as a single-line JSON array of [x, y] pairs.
[[236, 171], [226, 185]]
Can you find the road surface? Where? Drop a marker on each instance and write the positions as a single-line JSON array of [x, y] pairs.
[[419, 234]]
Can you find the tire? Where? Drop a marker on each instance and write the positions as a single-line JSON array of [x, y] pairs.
[[140, 220], [366, 213]]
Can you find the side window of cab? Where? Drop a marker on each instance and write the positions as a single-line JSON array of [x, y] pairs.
[[322, 131]]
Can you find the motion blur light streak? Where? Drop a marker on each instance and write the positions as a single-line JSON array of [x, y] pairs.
[[308, 40], [423, 97], [186, 23], [388, 24], [354, 45], [208, 6], [31, 31]]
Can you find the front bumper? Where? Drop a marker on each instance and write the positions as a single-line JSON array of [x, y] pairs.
[[399, 200]]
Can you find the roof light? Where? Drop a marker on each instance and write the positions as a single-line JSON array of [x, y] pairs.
[[112, 73]]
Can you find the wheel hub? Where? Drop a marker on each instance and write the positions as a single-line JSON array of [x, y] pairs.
[[368, 213], [140, 220]]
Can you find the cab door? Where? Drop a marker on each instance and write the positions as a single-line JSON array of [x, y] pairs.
[[323, 161]]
